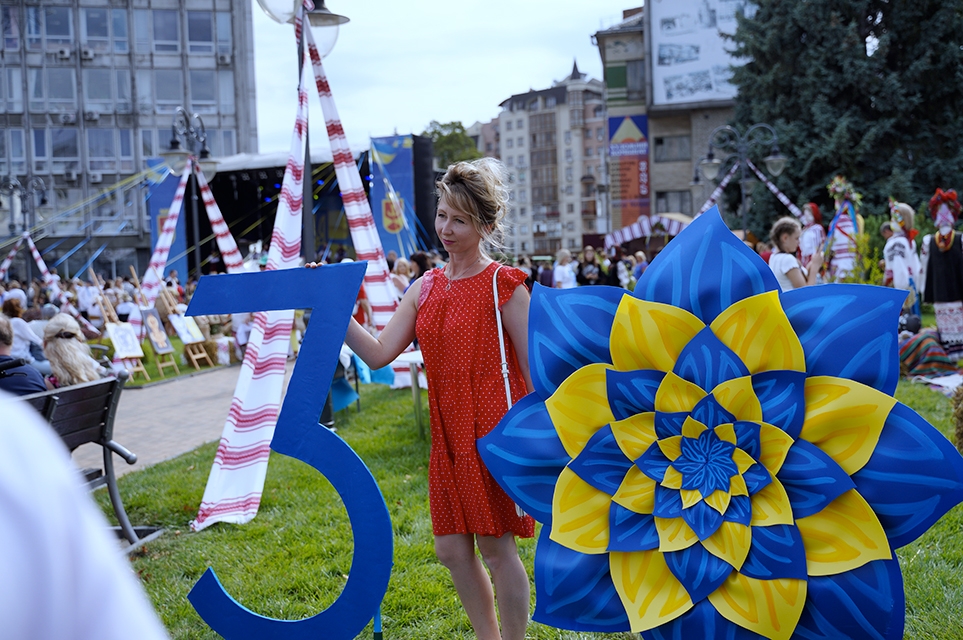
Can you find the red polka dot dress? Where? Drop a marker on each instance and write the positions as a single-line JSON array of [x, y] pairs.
[[458, 334]]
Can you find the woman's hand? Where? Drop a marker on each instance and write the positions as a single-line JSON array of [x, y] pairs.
[[313, 265]]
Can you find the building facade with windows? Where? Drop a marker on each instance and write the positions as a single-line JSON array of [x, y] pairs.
[[88, 90], [550, 141], [677, 132]]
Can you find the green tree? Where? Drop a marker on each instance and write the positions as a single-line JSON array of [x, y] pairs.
[[865, 88], [451, 143]]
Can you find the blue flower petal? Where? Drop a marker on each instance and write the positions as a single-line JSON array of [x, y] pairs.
[[632, 392], [601, 463], [705, 270], [867, 602], [525, 456], [782, 395], [812, 479], [848, 331], [747, 438], [668, 503], [699, 571], [631, 531], [702, 519], [670, 424], [777, 551], [740, 510], [709, 412], [700, 622], [568, 329], [706, 362], [653, 463], [757, 478], [574, 590], [913, 477]]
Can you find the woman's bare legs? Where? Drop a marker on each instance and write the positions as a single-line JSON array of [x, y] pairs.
[[457, 553], [511, 583]]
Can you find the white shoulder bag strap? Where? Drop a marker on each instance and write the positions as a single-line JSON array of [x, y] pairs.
[[501, 338]]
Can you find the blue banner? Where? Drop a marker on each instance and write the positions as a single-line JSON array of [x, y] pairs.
[[161, 195], [393, 193]]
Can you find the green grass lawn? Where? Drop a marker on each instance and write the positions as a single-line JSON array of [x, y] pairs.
[[292, 560]]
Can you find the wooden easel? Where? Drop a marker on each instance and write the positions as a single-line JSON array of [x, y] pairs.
[[194, 352], [163, 360], [109, 314]]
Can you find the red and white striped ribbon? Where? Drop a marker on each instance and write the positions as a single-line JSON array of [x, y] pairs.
[[230, 254], [58, 294], [381, 292], [782, 197], [717, 192], [233, 491], [151, 282], [644, 227], [9, 259]]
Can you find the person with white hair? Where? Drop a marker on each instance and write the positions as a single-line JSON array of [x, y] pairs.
[[68, 354]]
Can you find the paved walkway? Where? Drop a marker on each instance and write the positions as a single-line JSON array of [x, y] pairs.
[[161, 421]]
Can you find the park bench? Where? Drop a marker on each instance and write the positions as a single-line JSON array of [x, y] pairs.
[[82, 414]]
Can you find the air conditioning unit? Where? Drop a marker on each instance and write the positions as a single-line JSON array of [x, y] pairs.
[[95, 177], [92, 116], [70, 175], [67, 118], [64, 53], [224, 58], [86, 53]]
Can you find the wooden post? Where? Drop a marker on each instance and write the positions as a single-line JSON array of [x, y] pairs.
[[140, 297]]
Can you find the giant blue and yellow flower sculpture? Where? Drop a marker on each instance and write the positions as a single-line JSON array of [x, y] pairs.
[[711, 458]]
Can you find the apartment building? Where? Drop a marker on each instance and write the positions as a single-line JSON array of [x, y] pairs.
[[88, 92]]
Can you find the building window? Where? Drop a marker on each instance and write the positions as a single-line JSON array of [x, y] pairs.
[[100, 150], [229, 147], [521, 141], [673, 202], [568, 155], [589, 151], [533, 105], [510, 161], [524, 246], [521, 161], [98, 93], [570, 208], [550, 102], [167, 35], [635, 80], [65, 150], [570, 225], [147, 143], [568, 137], [568, 174], [522, 195], [145, 91], [508, 125], [672, 148], [509, 143], [600, 133], [521, 174], [119, 25], [123, 101], [488, 146], [49, 27], [203, 91], [10, 18], [520, 123], [126, 149], [95, 26], [200, 32], [224, 44], [11, 91], [225, 79], [40, 150], [523, 228], [568, 190], [169, 88]]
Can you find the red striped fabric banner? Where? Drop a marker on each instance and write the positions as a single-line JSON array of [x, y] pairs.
[[58, 294], [9, 259], [152, 280]]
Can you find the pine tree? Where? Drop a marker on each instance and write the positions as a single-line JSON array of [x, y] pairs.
[[870, 89]]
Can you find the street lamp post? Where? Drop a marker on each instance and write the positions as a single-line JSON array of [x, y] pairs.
[[28, 198], [190, 128], [737, 148]]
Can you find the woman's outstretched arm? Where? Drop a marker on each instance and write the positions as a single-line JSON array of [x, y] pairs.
[[397, 335]]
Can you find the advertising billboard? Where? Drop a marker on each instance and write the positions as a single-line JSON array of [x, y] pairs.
[[629, 169], [690, 59]]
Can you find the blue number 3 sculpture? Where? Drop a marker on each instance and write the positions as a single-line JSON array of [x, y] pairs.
[[331, 292]]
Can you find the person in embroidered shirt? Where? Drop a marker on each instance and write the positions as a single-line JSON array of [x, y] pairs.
[[452, 310], [785, 241]]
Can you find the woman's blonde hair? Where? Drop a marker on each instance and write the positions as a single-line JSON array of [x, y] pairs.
[[781, 227], [477, 188], [69, 355], [402, 268]]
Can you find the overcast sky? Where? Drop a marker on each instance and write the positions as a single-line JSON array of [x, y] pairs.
[[398, 65]]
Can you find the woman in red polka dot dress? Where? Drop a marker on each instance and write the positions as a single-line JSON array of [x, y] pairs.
[[452, 311]]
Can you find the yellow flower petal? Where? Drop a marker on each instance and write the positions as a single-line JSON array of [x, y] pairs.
[[580, 407], [771, 505], [774, 446], [672, 479], [690, 497], [719, 500], [758, 331], [843, 536], [844, 419], [692, 428], [580, 515], [737, 486], [650, 335], [726, 432], [742, 459], [637, 491], [737, 397], [671, 447], [730, 542], [771, 608], [674, 534], [676, 394], [635, 435], [649, 592]]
